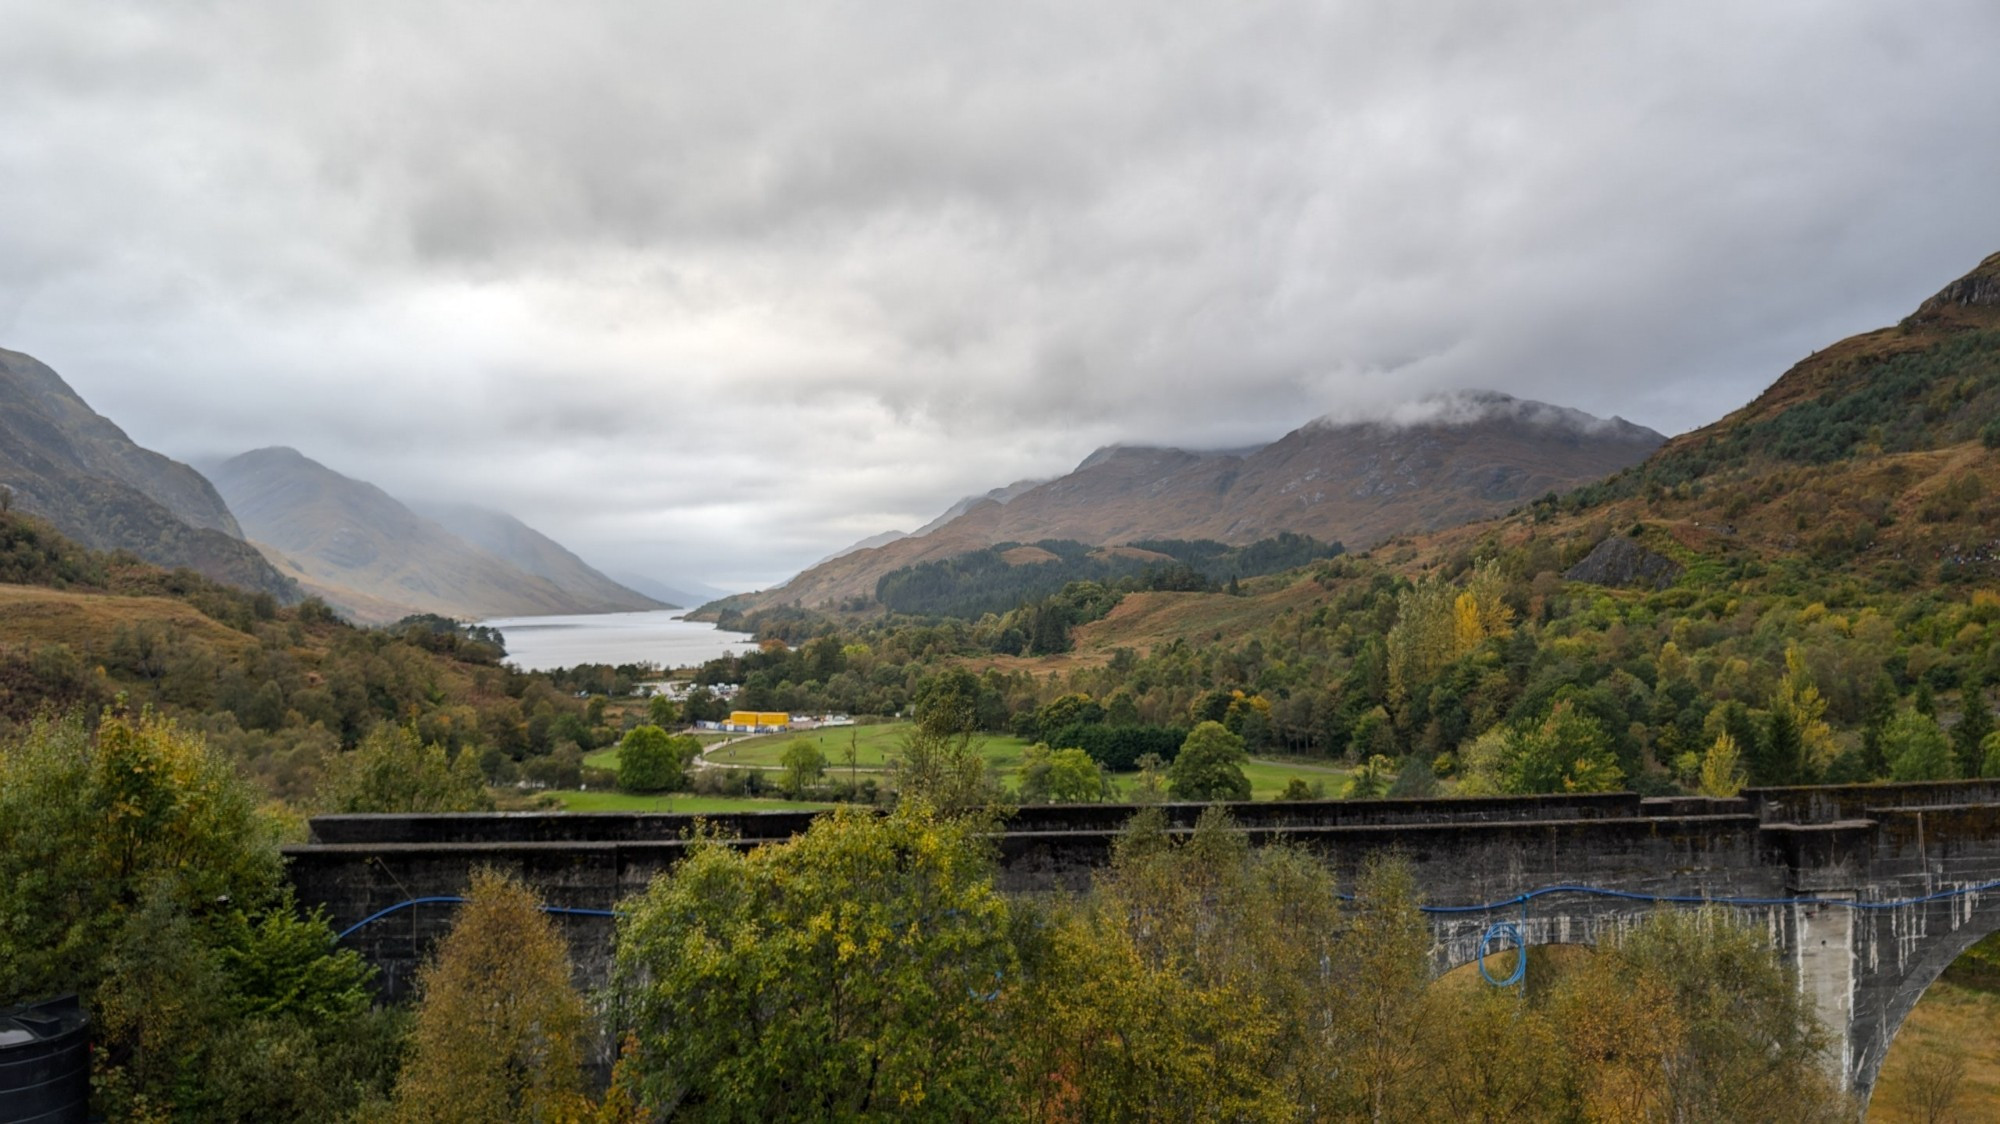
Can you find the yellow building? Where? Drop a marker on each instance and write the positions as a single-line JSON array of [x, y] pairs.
[[760, 719]]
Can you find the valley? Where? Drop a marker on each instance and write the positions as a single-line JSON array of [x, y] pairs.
[[902, 562], [1768, 601]]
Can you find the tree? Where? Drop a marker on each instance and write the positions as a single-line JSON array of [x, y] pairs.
[[1424, 638], [137, 872], [1062, 776], [1383, 969], [851, 973], [1973, 725], [942, 770], [1566, 751], [701, 705], [1066, 711], [499, 1030], [1804, 710], [1196, 982], [1436, 625], [1917, 749], [1781, 756], [299, 1037], [1372, 779], [392, 771], [93, 825], [1209, 766], [1123, 710], [652, 760], [1150, 786], [1691, 1017], [804, 764], [1722, 768], [1933, 1079], [662, 712], [948, 703]]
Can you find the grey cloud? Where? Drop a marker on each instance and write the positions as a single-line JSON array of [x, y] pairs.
[[704, 286]]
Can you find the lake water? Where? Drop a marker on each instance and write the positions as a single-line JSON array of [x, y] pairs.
[[657, 636]]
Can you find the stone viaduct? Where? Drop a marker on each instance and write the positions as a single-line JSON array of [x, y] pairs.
[[1869, 890]]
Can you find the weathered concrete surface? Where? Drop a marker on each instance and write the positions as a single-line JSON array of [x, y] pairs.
[[1922, 845]]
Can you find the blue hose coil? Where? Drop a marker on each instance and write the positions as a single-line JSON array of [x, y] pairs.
[[1504, 930]]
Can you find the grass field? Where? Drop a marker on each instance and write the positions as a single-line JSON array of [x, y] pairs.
[[607, 758], [1267, 778], [873, 744], [876, 744], [91, 621], [874, 747], [607, 801], [1951, 1018]]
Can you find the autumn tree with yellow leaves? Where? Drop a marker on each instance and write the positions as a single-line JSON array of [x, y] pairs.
[[500, 1029]]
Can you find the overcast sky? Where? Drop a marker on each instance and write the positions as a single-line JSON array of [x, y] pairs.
[[709, 289]]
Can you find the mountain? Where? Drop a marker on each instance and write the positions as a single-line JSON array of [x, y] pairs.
[[1927, 382], [869, 543], [1867, 476], [1440, 462], [675, 592], [520, 545], [65, 462], [1002, 495], [965, 504], [1878, 455], [357, 547]]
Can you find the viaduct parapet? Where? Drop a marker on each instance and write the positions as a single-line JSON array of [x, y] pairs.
[[1869, 890]]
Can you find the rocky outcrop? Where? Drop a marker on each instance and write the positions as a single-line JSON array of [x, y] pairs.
[[1978, 289], [1620, 561]]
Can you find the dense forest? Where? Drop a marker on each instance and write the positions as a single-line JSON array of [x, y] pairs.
[[1002, 577]]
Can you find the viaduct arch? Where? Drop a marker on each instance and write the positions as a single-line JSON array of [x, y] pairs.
[[1870, 890]]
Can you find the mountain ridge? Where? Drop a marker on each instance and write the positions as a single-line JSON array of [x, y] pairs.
[[363, 550], [1355, 482], [1877, 455], [529, 550], [62, 460]]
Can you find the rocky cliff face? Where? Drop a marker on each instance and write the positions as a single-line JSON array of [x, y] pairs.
[[72, 466], [1978, 289]]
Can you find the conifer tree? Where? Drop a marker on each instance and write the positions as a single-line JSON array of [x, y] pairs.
[[1973, 725], [499, 1031]]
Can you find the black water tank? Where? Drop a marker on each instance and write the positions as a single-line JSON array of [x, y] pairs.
[[44, 1063]]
